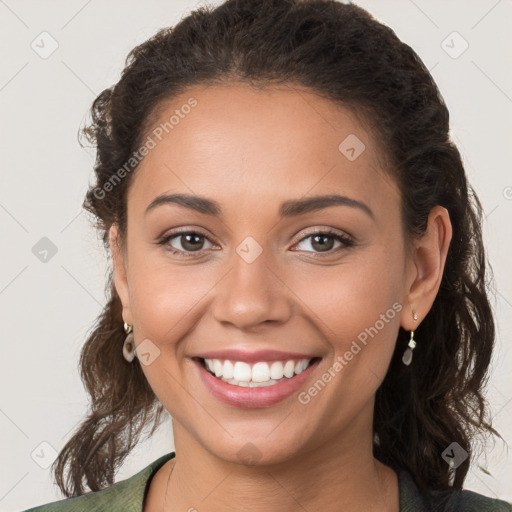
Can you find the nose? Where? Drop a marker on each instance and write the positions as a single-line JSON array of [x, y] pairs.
[[252, 293]]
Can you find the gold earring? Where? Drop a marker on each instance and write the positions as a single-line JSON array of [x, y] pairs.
[[129, 351], [407, 357]]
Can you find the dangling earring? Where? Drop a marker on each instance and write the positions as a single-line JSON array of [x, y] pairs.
[[407, 357], [129, 351]]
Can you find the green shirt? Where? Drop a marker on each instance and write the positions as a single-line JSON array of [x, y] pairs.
[[128, 496]]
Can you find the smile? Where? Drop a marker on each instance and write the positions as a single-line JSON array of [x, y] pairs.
[[259, 374], [254, 385]]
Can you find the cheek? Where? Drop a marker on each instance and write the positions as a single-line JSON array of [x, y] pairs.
[[356, 291], [357, 306], [165, 296]]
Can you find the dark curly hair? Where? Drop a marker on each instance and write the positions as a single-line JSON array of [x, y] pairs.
[[340, 52]]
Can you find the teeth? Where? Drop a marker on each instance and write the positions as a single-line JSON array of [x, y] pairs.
[[242, 372], [259, 374], [217, 367], [228, 370]]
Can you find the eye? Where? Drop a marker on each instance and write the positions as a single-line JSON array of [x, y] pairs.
[[184, 243], [323, 241]]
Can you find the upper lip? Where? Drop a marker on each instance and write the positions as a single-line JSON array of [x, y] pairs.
[[252, 357]]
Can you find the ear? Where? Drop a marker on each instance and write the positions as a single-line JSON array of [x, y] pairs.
[[426, 266], [120, 272]]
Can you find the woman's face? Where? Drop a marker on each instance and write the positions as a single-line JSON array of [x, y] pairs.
[[257, 271]]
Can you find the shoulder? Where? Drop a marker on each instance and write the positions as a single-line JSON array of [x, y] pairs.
[[412, 500], [468, 501], [124, 496]]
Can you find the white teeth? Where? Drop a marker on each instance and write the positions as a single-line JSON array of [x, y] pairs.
[[228, 370], [276, 370], [252, 384], [217, 367], [303, 365], [242, 372], [289, 369], [259, 374]]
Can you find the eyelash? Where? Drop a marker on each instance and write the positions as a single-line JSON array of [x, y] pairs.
[[345, 240]]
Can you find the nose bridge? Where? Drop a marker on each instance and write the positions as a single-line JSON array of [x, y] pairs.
[[251, 293]]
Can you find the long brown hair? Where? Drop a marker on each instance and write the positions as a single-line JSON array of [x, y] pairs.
[[342, 53]]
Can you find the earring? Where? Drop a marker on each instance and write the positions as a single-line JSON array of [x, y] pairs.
[[407, 357], [129, 351]]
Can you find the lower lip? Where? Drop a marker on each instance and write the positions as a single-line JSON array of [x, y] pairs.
[[253, 398]]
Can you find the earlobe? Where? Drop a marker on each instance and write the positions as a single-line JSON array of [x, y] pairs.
[[429, 255], [119, 272]]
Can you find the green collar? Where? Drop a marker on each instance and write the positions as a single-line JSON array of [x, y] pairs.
[[128, 496]]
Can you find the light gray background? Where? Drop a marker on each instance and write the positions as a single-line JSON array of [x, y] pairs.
[[47, 308]]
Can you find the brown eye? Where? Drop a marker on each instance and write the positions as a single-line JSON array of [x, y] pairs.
[[324, 242], [184, 243], [191, 242]]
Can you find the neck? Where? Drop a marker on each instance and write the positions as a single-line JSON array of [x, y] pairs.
[[339, 474]]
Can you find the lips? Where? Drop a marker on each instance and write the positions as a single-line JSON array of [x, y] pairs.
[[253, 397]]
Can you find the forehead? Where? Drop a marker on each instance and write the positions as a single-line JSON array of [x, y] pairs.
[[248, 146]]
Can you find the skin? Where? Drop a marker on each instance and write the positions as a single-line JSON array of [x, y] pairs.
[[250, 150]]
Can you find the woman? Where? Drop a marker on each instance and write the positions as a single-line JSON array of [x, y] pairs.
[[298, 273]]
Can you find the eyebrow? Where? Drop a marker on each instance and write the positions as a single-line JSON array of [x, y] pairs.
[[290, 208]]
